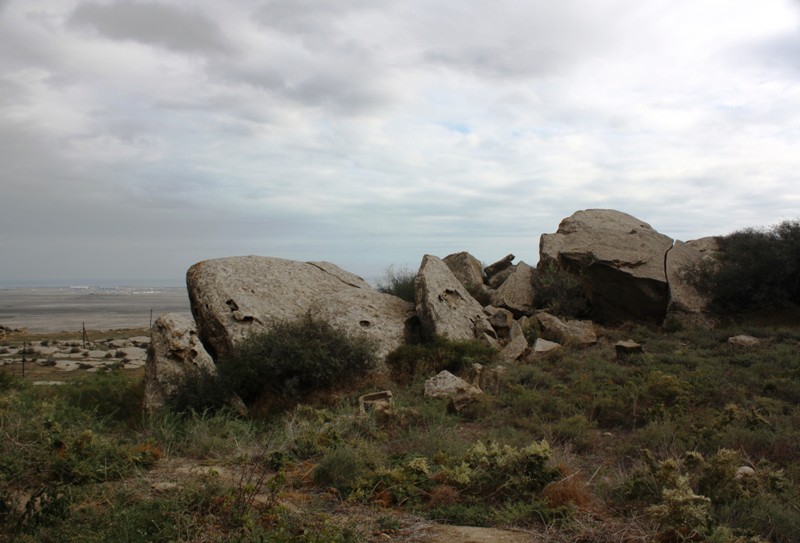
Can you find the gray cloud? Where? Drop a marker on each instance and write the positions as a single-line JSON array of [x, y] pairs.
[[152, 24]]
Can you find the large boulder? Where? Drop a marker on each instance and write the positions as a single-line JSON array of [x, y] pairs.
[[516, 293], [621, 258], [175, 353], [684, 298], [233, 297], [466, 268], [443, 304]]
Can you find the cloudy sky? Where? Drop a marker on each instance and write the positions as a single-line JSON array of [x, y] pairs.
[[140, 136]]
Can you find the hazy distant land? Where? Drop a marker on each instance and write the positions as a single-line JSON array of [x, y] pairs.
[[53, 309]]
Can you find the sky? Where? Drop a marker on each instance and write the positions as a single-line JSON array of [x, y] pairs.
[[138, 137]]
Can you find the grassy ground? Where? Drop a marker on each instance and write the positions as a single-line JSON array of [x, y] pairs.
[[575, 446]]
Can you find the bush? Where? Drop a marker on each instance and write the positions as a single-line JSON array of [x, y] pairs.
[[438, 354], [560, 291], [400, 283], [293, 358], [755, 269]]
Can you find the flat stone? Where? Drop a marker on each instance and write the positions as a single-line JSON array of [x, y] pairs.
[[544, 346], [743, 340]]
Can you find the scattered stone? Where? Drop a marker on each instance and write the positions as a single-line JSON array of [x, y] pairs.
[[620, 258], [744, 341], [48, 383], [443, 304], [501, 320], [67, 365], [502, 264], [626, 348], [118, 343], [447, 385], [579, 333], [743, 472], [140, 341], [375, 401], [466, 268], [515, 349], [516, 293], [541, 346]]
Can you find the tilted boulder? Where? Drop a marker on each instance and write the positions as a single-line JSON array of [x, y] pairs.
[[579, 333], [685, 298], [444, 306], [516, 293], [175, 353], [446, 385], [503, 264], [233, 297], [621, 259], [466, 268]]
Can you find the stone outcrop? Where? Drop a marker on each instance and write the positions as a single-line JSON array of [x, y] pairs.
[[516, 292], [466, 268], [175, 352], [631, 272], [622, 261], [233, 297], [444, 306], [578, 333]]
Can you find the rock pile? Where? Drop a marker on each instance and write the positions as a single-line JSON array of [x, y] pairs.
[[629, 272]]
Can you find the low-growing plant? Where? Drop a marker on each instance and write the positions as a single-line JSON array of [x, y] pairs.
[[399, 282], [293, 358], [755, 269], [560, 291], [437, 354]]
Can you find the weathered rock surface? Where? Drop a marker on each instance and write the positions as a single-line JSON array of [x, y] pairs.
[[684, 297], [541, 346], [516, 292], [743, 340], [503, 264], [579, 333], [466, 268], [444, 306], [515, 349], [233, 297], [176, 352], [446, 385], [621, 258]]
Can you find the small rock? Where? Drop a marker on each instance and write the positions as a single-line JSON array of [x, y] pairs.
[[544, 346], [580, 333], [376, 401], [447, 385], [627, 348], [745, 471], [744, 341], [514, 350]]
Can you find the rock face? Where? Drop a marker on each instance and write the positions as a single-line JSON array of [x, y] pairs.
[[621, 258], [684, 298], [516, 293], [175, 352], [443, 304], [466, 268], [233, 297]]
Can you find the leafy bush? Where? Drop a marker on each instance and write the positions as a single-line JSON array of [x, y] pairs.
[[560, 291], [293, 358], [438, 354], [399, 282], [755, 269]]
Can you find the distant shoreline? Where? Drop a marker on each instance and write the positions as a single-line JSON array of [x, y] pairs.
[[104, 307]]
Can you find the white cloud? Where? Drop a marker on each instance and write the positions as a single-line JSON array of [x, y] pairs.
[[368, 133]]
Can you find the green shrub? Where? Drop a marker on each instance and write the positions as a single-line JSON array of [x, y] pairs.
[[756, 269], [560, 291], [293, 358], [110, 394], [440, 353], [399, 282]]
